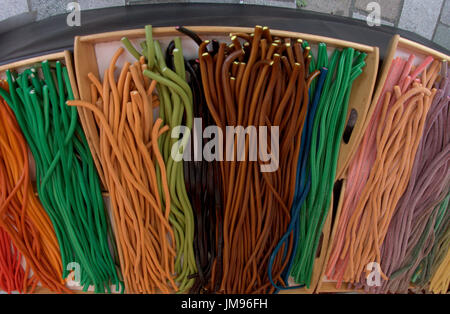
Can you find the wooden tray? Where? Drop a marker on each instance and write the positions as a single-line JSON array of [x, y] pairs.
[[360, 99], [398, 47], [64, 56], [86, 60]]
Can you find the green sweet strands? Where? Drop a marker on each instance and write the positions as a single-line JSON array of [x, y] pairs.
[[67, 182], [343, 68], [428, 266], [176, 109]]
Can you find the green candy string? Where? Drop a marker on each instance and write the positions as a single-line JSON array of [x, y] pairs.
[[328, 126]]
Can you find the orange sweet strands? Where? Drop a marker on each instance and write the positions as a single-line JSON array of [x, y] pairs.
[[12, 275], [21, 214], [380, 171], [359, 168], [125, 141]]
